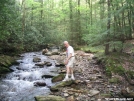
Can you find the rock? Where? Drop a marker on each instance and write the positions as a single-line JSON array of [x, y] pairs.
[[62, 71], [48, 63], [55, 53], [36, 59], [49, 98], [70, 98], [57, 78], [59, 64], [127, 94], [114, 80], [44, 51], [66, 94], [40, 64], [39, 83], [47, 76], [48, 54], [60, 85], [93, 92]]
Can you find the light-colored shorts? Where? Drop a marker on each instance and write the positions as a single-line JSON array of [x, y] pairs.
[[71, 62]]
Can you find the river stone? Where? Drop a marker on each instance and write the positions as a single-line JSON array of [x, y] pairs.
[[39, 84], [70, 98], [36, 59], [57, 78], [48, 54], [93, 92], [49, 98], [60, 85], [66, 94], [48, 63], [59, 64], [40, 64], [44, 51], [55, 53], [47, 76]]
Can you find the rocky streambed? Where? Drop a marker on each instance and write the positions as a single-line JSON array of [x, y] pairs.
[[39, 77]]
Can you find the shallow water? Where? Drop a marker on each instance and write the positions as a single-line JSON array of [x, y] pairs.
[[18, 85]]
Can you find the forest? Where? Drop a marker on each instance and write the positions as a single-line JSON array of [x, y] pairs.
[[29, 24], [102, 28]]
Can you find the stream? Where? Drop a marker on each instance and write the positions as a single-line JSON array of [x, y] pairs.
[[19, 85]]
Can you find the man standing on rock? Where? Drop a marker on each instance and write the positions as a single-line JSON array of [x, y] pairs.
[[69, 62]]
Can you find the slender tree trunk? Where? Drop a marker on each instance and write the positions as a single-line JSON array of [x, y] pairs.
[[71, 21], [108, 28]]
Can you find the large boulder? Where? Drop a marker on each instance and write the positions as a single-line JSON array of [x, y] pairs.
[[36, 59], [61, 84], [58, 78], [49, 98], [5, 63], [40, 64]]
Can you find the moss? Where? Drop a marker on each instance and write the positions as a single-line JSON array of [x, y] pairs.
[[114, 80], [106, 95], [57, 78]]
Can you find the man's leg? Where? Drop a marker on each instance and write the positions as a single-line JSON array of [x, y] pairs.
[[72, 75], [67, 73]]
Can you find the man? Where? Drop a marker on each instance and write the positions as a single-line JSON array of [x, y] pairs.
[[69, 62]]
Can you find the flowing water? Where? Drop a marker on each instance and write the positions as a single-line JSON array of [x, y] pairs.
[[19, 85]]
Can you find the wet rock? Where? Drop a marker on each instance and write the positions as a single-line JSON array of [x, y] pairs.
[[44, 51], [40, 64], [47, 76], [62, 71], [59, 64], [70, 98], [57, 78], [48, 63], [49, 98], [55, 53], [48, 54], [93, 92], [36, 59], [39, 84]]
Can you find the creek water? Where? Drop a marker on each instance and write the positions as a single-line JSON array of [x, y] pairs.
[[19, 85]]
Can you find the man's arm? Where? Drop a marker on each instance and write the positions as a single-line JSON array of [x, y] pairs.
[[66, 62]]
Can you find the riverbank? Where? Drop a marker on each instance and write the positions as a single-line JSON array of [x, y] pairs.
[[92, 83], [5, 63]]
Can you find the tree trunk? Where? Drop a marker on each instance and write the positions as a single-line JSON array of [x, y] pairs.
[[108, 28]]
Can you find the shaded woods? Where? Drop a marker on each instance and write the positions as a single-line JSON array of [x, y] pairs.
[[30, 24]]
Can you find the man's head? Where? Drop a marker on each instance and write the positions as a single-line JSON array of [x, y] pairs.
[[66, 44]]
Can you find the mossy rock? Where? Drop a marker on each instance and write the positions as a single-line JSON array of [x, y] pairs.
[[49, 98], [106, 95], [60, 85], [6, 61], [58, 78], [114, 80]]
